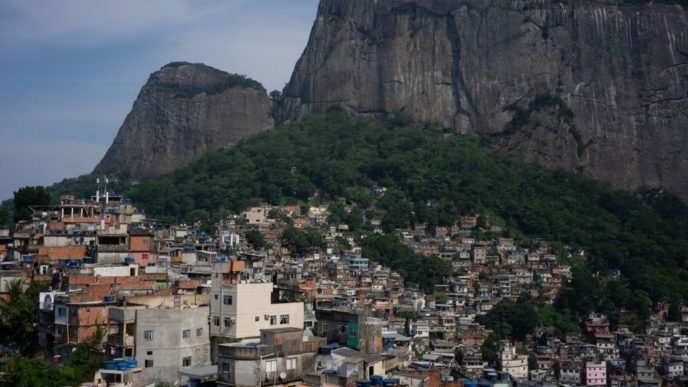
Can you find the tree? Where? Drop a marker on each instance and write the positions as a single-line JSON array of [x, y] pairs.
[[440, 297], [277, 106], [26, 197], [255, 239], [5, 216], [300, 242], [18, 315], [28, 372]]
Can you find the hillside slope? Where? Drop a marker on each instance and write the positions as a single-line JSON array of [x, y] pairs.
[[432, 179]]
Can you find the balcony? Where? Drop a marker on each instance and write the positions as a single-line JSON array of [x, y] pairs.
[[245, 352], [123, 315], [118, 341]]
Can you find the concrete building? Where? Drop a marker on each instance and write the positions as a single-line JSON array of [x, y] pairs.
[[240, 307], [280, 358], [516, 365], [352, 329], [168, 340], [595, 374]]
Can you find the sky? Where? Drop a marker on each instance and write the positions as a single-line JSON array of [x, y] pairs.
[[70, 70]]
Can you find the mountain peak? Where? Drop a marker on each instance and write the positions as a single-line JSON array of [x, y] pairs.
[[183, 111]]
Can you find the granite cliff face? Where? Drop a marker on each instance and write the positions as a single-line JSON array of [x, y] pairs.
[[184, 111], [618, 71]]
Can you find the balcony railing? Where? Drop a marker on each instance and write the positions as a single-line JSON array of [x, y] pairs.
[[118, 341]]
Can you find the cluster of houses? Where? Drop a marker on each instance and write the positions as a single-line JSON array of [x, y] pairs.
[[169, 303]]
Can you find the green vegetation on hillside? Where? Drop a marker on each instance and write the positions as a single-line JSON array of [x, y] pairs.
[[387, 250], [229, 81], [433, 180]]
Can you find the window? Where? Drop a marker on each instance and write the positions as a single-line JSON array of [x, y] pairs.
[[325, 326], [199, 331], [284, 319], [149, 353], [257, 318], [225, 367], [217, 297], [228, 321], [148, 335], [186, 333], [186, 362], [148, 363], [291, 363], [273, 320], [227, 300], [62, 312], [271, 366], [216, 321]]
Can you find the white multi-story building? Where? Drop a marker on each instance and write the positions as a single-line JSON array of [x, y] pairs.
[[241, 306], [515, 365]]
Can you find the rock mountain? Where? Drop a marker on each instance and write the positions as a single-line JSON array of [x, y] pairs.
[[596, 86], [184, 111]]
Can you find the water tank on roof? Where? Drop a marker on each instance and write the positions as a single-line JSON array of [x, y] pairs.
[[122, 365], [129, 261], [376, 380]]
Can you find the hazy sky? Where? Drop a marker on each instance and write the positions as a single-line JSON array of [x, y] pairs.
[[71, 69]]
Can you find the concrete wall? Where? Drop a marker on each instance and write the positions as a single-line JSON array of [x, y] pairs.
[[168, 348], [115, 271]]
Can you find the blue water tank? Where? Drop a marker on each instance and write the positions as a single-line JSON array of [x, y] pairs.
[[470, 383], [122, 365], [109, 365], [132, 363], [376, 380], [89, 260], [129, 261]]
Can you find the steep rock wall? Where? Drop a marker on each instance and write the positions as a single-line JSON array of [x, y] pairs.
[[622, 69]]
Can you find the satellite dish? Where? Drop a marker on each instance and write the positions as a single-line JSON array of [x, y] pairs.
[[283, 375]]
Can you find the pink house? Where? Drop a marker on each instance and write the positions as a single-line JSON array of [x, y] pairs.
[[595, 374]]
